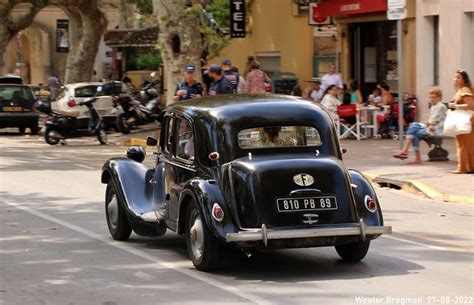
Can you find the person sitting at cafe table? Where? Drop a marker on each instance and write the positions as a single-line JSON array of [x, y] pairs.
[[417, 131]]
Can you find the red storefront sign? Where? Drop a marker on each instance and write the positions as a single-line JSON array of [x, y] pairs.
[[348, 7]]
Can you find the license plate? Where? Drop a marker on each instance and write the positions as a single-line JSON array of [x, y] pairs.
[[12, 109], [306, 204]]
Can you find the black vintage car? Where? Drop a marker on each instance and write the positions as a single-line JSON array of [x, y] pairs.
[[247, 171]]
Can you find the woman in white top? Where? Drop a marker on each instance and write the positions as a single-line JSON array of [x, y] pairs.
[[330, 100]]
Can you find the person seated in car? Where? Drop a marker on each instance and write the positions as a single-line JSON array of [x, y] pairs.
[[271, 138]]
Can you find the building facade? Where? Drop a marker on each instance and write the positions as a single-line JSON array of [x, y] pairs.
[[43, 47], [444, 44]]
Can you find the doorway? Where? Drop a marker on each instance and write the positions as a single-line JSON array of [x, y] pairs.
[[374, 55]]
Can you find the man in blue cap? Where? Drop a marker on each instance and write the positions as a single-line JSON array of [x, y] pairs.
[[220, 84], [189, 88], [229, 73]]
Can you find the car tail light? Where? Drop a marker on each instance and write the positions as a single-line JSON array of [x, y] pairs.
[[71, 103], [217, 212], [370, 204], [115, 100], [214, 156]]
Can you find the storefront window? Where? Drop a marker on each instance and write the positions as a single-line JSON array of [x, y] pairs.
[[324, 49]]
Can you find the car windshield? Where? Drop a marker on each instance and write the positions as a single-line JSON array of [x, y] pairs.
[[15, 93], [87, 91], [278, 136]]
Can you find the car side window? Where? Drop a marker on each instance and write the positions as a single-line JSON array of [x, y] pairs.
[[185, 140], [168, 143]]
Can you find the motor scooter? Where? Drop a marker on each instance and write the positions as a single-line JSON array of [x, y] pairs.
[[60, 126]]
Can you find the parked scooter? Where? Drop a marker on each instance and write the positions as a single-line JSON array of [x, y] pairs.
[[59, 126]]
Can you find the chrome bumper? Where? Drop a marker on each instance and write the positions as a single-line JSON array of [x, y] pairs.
[[265, 234]]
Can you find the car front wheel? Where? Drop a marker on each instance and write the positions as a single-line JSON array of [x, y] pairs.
[[117, 221], [203, 247], [353, 252]]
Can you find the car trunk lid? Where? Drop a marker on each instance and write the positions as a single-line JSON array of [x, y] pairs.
[[289, 190]]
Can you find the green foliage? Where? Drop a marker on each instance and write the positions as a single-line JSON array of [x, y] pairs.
[[145, 7], [146, 61], [221, 11]]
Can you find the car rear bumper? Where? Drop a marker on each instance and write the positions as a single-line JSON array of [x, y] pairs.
[[356, 230], [15, 119]]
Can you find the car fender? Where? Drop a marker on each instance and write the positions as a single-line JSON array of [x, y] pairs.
[[362, 187], [132, 182], [205, 192]]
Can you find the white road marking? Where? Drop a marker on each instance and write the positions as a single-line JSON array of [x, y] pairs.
[[84, 166], [120, 245], [12, 149], [48, 157], [416, 243]]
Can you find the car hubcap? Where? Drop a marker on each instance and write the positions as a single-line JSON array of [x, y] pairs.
[[112, 211], [197, 236]]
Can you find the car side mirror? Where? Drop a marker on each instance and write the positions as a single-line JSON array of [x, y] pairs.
[[151, 141], [136, 153]]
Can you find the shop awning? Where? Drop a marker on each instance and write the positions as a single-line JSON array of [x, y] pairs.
[[327, 8], [118, 38]]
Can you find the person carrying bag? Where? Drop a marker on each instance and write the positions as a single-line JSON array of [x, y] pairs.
[[457, 122]]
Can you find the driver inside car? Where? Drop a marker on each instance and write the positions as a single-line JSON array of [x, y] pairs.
[[270, 137]]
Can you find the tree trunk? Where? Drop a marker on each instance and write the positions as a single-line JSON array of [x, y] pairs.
[[90, 23], [9, 27], [180, 40]]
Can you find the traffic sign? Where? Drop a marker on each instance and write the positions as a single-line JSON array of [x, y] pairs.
[[396, 13]]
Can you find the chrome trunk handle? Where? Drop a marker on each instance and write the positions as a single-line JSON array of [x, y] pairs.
[[305, 191]]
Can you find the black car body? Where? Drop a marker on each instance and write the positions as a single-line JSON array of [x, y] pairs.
[[17, 107], [231, 192]]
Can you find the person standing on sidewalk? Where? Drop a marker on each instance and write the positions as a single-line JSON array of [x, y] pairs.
[[464, 100], [189, 88], [53, 85], [418, 131], [229, 73], [332, 78], [220, 84], [256, 79]]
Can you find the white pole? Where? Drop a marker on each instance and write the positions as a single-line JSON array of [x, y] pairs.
[[400, 89]]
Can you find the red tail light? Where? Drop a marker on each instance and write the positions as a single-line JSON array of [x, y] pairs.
[[217, 212], [115, 100], [71, 103], [370, 204]]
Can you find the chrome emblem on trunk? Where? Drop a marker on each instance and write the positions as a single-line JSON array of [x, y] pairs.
[[310, 219], [303, 179]]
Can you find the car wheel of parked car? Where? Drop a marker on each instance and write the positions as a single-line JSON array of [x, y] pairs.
[[117, 221], [34, 129], [122, 124], [203, 247], [353, 252], [50, 138], [102, 137]]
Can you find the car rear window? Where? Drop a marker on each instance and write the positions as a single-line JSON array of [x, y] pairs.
[[16, 93], [88, 91], [278, 136]]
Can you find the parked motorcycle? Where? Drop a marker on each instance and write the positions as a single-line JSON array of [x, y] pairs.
[[60, 126], [134, 112]]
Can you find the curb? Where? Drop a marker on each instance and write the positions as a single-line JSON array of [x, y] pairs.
[[132, 142], [418, 188]]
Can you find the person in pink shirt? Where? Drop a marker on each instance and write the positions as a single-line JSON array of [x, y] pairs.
[[256, 79]]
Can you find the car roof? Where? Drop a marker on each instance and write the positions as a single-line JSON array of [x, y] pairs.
[[252, 109], [84, 84], [11, 79]]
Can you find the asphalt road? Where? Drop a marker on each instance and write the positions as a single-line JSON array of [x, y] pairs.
[[55, 247]]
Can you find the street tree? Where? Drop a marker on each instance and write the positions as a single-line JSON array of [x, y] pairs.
[[10, 26]]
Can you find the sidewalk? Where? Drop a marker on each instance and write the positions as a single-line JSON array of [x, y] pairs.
[[374, 159], [432, 179]]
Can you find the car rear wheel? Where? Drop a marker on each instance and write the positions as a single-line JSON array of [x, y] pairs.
[[353, 252], [34, 129], [51, 136], [203, 247], [117, 221]]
